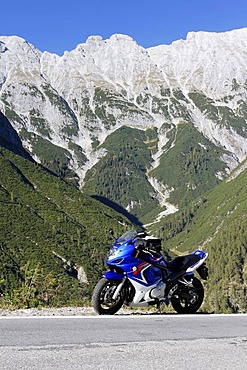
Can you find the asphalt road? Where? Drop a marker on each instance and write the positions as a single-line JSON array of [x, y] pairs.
[[124, 342]]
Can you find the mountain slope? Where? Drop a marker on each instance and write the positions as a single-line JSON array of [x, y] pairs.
[[42, 218], [217, 221], [121, 174], [190, 164]]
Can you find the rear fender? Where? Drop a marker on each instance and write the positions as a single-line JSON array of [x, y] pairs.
[[111, 275], [203, 271]]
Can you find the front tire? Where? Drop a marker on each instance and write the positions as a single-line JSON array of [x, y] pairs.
[[102, 300], [187, 299]]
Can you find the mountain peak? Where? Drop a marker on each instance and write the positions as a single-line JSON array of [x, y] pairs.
[[20, 48], [214, 36], [92, 40], [122, 37]]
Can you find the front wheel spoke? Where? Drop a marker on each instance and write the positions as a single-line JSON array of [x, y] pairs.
[[106, 297]]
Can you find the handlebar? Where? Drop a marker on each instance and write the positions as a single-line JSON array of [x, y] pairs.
[[139, 244]]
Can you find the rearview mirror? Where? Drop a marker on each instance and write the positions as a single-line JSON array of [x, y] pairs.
[[111, 232]]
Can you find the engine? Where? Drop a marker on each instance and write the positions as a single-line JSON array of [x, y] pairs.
[[158, 291]]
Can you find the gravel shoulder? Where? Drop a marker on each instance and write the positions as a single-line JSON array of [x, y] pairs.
[[64, 311]]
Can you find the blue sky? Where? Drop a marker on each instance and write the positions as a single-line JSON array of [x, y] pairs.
[[57, 26]]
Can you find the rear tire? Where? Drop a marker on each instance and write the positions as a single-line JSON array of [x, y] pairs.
[[187, 299], [102, 301]]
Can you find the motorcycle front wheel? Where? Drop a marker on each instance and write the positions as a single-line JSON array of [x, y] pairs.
[[187, 299], [102, 300]]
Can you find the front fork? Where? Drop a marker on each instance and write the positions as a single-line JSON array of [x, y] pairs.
[[115, 276], [118, 289]]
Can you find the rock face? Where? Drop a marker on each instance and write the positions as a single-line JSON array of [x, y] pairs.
[[212, 65], [9, 138], [69, 105]]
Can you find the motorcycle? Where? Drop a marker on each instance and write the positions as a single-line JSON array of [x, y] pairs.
[[139, 276]]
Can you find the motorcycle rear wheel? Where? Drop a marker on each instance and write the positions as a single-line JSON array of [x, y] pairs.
[[102, 300], [187, 299]]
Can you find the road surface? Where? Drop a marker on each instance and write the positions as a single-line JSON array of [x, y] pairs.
[[124, 342]]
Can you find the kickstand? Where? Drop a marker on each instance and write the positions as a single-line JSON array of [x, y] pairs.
[[159, 307]]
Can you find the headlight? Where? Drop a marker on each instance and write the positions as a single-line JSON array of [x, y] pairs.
[[113, 252]]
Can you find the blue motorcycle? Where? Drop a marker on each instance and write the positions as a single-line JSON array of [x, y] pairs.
[[139, 276]]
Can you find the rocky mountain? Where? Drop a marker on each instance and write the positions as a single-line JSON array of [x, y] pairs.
[[142, 128]]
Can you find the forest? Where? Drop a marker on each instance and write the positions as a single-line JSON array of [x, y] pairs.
[[50, 231]]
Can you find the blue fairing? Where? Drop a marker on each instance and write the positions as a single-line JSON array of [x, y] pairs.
[[121, 257], [111, 275]]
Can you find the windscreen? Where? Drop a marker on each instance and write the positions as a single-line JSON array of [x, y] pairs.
[[131, 234]]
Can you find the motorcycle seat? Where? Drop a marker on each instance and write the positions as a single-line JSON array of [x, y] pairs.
[[182, 262]]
